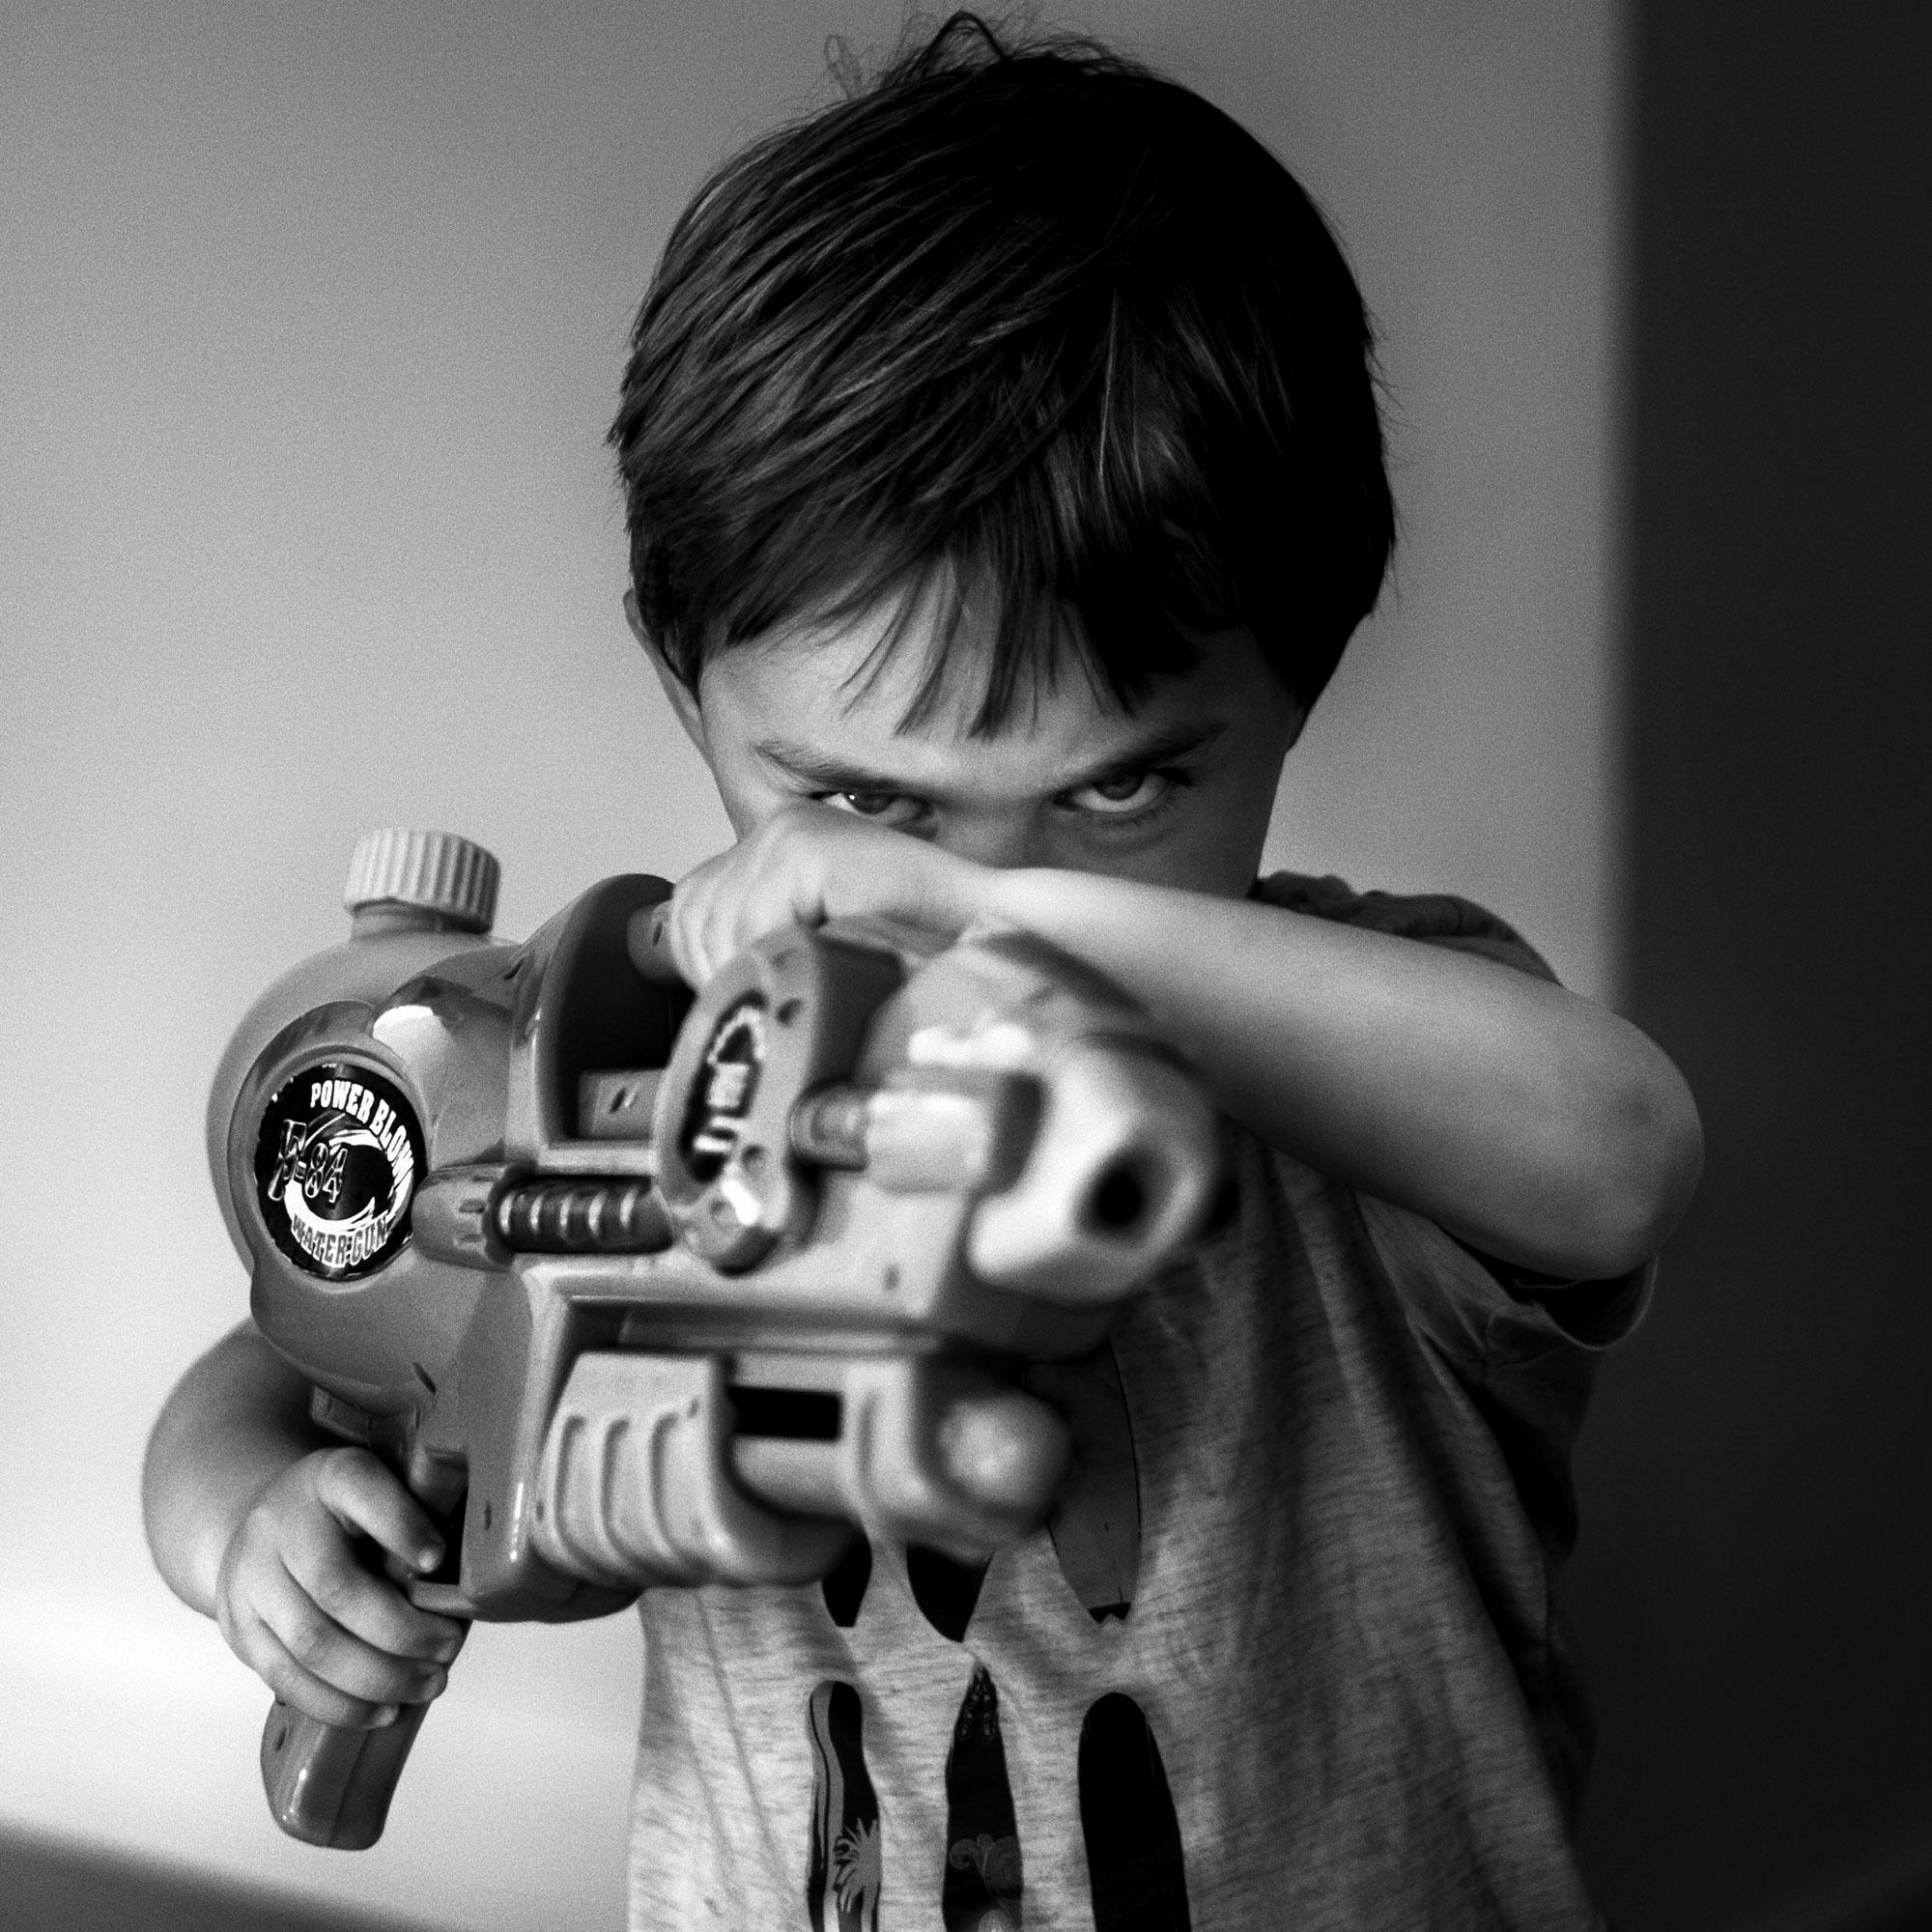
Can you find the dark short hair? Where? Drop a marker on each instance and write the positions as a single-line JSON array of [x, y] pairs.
[[1020, 318]]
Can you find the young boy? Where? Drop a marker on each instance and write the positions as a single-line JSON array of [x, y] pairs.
[[1005, 477]]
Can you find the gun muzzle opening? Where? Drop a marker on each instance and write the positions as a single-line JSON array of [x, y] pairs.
[[1117, 1202], [1114, 1187]]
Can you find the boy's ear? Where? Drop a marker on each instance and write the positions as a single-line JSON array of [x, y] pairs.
[[683, 699]]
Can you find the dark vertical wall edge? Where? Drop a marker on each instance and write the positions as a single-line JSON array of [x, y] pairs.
[[1753, 1581]]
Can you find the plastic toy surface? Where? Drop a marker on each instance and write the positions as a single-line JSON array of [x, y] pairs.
[[634, 1291]]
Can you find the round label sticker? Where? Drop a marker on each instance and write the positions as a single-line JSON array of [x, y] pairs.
[[335, 1167]]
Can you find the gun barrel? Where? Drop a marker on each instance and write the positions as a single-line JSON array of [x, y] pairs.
[[829, 1127], [925, 1131]]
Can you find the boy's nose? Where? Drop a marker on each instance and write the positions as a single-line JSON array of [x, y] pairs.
[[997, 839]]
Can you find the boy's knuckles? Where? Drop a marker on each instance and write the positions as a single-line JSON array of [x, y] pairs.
[[434, 1641], [313, 1639], [249, 1580], [353, 1671], [391, 1629], [251, 1640], [322, 1701], [354, 1481], [342, 1595]]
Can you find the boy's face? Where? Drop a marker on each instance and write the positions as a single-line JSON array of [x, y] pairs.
[[1174, 793]]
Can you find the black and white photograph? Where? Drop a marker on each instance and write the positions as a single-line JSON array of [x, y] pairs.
[[964, 969]]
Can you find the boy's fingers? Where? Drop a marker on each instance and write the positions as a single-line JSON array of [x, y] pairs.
[[363, 1494], [263, 1651], [770, 878], [670, 935], [369, 1607], [806, 864], [328, 1650], [647, 938], [680, 938], [693, 912], [709, 933]]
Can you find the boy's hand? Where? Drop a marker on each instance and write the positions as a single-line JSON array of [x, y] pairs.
[[300, 1606], [805, 864]]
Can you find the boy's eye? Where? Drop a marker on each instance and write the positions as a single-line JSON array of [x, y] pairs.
[[882, 808], [1123, 796]]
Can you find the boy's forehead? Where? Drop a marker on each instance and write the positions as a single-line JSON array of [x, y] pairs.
[[836, 696]]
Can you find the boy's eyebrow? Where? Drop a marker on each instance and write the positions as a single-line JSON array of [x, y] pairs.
[[1158, 747], [800, 762], [835, 773]]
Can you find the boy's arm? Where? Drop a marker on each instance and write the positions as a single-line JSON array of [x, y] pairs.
[[233, 1422], [1537, 1127], [255, 1519]]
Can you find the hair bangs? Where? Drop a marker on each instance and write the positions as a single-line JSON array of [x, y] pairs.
[[1024, 326]]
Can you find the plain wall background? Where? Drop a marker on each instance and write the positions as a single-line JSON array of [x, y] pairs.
[[312, 319]]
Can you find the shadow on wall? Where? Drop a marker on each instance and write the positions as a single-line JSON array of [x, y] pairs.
[[1754, 1572], [46, 1886]]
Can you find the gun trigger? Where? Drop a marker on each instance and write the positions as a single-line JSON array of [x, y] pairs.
[[342, 1419]]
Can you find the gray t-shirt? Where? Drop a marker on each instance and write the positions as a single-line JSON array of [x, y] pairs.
[[1289, 1654]]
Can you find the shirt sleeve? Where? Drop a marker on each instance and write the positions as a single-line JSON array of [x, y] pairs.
[[1471, 1311], [1473, 1305], [1437, 919]]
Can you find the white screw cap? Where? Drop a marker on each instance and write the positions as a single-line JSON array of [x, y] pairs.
[[453, 877]]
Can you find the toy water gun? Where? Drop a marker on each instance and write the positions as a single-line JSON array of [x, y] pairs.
[[632, 1289]]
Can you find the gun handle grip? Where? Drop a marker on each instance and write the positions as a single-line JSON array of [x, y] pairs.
[[328, 1785]]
